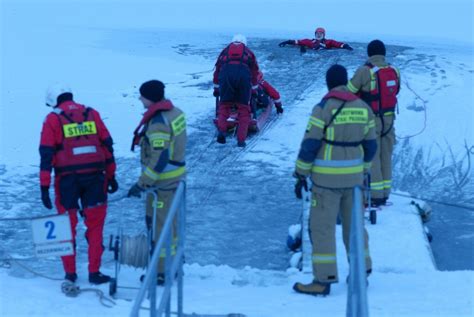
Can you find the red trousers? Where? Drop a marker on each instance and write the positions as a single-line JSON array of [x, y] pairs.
[[69, 192], [243, 116]]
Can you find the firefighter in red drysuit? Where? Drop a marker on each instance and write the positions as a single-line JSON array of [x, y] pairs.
[[319, 42], [76, 143], [266, 91], [235, 79]]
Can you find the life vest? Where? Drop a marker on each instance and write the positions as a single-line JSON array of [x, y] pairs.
[[236, 53], [384, 87], [81, 150], [344, 96]]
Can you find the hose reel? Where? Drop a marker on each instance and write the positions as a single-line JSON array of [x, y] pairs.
[[130, 250]]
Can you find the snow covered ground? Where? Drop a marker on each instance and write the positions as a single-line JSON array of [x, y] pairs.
[[238, 213]]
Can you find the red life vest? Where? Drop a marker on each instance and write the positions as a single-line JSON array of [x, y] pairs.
[[81, 150], [383, 96]]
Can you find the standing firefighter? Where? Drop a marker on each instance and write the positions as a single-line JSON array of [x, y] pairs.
[[161, 136], [338, 145], [378, 84], [76, 143], [235, 80]]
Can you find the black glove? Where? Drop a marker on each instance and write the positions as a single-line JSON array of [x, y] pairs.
[[45, 197], [300, 184], [302, 49], [279, 108], [347, 47], [216, 92], [135, 191], [282, 44], [112, 186]]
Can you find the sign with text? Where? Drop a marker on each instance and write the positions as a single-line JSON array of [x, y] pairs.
[[52, 236]]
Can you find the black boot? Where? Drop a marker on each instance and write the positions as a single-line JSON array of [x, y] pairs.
[[71, 277], [98, 278], [314, 288], [160, 279], [241, 144], [221, 138]]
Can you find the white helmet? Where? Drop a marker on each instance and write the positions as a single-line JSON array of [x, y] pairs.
[[240, 38], [54, 91]]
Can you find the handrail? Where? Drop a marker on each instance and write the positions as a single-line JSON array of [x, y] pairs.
[[171, 268], [357, 291]]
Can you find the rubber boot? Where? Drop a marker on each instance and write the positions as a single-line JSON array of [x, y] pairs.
[[98, 278], [314, 288]]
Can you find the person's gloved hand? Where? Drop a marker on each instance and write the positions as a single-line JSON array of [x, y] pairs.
[[347, 47], [302, 49], [279, 108], [300, 184], [45, 197], [112, 186], [216, 92], [284, 43], [135, 191]]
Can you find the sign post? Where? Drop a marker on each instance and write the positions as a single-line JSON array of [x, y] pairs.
[[52, 236]]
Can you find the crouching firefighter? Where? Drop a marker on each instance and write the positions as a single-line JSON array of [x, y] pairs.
[[161, 136], [235, 80], [378, 83], [338, 145], [76, 143]]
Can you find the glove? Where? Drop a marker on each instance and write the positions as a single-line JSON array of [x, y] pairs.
[[279, 108], [135, 191], [216, 92], [112, 186], [282, 44], [347, 47], [300, 184], [45, 197], [302, 49]]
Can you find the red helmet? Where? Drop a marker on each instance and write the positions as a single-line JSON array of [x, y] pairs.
[[259, 76], [320, 30]]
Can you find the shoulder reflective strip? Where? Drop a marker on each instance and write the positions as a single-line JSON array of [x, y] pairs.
[[328, 147], [324, 258], [84, 150], [179, 124], [254, 86], [338, 163], [351, 115], [77, 129], [316, 122], [376, 185], [303, 165], [57, 110], [351, 87], [159, 135], [338, 170]]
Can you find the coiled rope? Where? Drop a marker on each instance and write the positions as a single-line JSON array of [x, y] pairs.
[[134, 250], [72, 290], [424, 112]]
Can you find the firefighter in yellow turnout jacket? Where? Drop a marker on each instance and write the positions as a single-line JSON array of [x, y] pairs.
[[378, 83], [161, 135], [338, 145]]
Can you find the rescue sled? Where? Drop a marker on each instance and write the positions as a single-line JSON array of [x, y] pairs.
[[259, 116]]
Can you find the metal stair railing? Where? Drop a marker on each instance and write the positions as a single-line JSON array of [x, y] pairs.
[[357, 305], [173, 267]]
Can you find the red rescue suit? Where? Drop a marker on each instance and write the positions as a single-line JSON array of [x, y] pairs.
[[76, 143], [235, 76], [315, 44]]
